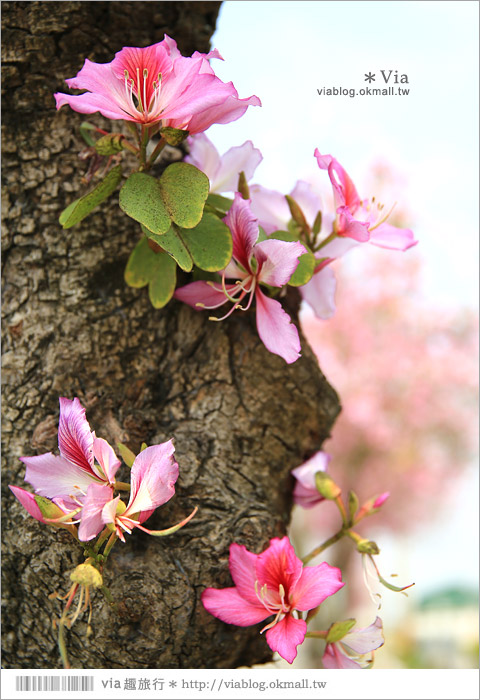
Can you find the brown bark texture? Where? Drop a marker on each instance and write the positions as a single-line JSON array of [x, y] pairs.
[[241, 418]]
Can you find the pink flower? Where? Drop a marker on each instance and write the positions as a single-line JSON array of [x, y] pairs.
[[69, 475], [223, 171], [270, 262], [361, 220], [156, 83], [57, 510], [272, 583], [305, 493], [348, 651], [153, 476]]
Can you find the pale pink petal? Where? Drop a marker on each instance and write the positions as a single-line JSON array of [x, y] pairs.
[[204, 156], [228, 111], [349, 227], [228, 605], [285, 637], [335, 658], [91, 515], [277, 260], [27, 500], [242, 571], [244, 228], [270, 207], [244, 158], [54, 477], [305, 493], [275, 328], [362, 641], [319, 293], [344, 190], [278, 565], [201, 294], [75, 439], [153, 476], [337, 247], [314, 585], [308, 200], [388, 236], [106, 457], [109, 511]]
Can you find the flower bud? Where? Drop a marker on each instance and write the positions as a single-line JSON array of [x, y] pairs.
[[367, 547], [242, 186], [338, 630], [87, 575], [109, 144], [326, 486], [173, 137], [297, 214]]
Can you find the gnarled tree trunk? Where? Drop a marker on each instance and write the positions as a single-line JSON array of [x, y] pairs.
[[240, 416]]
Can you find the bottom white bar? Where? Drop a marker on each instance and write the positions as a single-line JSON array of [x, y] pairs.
[[255, 683]]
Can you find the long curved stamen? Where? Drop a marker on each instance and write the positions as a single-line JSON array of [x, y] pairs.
[[273, 623], [157, 85], [139, 92], [383, 219], [234, 307], [145, 76], [251, 292]]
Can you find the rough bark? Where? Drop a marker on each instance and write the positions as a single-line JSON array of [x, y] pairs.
[[241, 417]]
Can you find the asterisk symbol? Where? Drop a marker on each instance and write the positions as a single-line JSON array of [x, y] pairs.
[[370, 76], [173, 684]]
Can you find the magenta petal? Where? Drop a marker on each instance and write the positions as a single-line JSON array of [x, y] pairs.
[[106, 457], [27, 500], [314, 585], [228, 605], [244, 228], [54, 477], [335, 658], [153, 476], [344, 190], [319, 293], [285, 637], [277, 260], [91, 516], [242, 570], [388, 236], [275, 328], [200, 295], [278, 564], [75, 439]]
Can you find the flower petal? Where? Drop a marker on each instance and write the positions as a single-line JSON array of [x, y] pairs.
[[91, 522], [275, 328], [228, 605], [27, 500], [349, 227], [106, 457], [242, 570], [305, 493], [367, 639], [244, 158], [314, 585], [244, 228], [200, 295], [309, 201], [75, 439], [278, 564], [388, 236], [204, 156], [277, 260], [319, 292], [54, 477], [334, 657], [153, 477], [344, 190], [270, 207], [231, 109], [285, 637]]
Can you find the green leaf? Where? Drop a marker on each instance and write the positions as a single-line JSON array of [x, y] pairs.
[[218, 202], [306, 263], [209, 243], [338, 630], [141, 198], [80, 208], [163, 281], [174, 246], [141, 265], [184, 189]]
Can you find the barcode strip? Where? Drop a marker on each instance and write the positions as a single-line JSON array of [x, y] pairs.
[[29, 684]]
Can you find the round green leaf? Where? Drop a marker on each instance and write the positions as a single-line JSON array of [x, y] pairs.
[[163, 281], [141, 198], [174, 246], [209, 243], [80, 208], [141, 265], [184, 189], [219, 202], [306, 262]]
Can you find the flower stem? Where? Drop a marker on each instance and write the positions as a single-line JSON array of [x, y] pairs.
[[109, 545], [61, 644], [106, 532], [156, 152], [318, 550], [320, 634], [121, 486]]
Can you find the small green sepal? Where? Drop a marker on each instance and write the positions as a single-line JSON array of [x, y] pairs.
[[338, 630], [174, 137]]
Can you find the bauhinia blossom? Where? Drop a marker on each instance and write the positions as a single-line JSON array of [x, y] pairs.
[[305, 492], [269, 262], [223, 171], [274, 583], [351, 651], [69, 475], [157, 84]]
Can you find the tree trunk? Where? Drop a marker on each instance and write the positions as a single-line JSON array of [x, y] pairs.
[[241, 417]]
